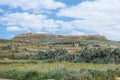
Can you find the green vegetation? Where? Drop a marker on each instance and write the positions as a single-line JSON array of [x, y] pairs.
[[99, 55], [93, 55], [58, 71]]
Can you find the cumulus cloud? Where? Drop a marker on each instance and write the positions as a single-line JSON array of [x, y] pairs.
[[99, 16], [33, 4], [97, 9], [13, 28], [27, 21]]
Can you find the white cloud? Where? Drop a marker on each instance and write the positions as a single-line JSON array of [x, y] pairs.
[[27, 21], [100, 16], [98, 9], [75, 32], [33, 4], [13, 28]]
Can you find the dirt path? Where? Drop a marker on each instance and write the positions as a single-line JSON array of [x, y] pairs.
[[5, 79], [118, 78]]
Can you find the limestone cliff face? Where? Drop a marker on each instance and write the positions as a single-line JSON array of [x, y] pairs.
[[37, 37]]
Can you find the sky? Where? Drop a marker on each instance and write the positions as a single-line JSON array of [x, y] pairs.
[[62, 17]]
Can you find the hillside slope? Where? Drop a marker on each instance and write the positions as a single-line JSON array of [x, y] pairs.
[[31, 44]]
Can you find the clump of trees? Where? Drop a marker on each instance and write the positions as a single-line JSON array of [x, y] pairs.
[[87, 55]]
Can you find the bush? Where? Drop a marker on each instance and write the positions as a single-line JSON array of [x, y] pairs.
[[93, 55], [31, 75], [12, 74], [51, 55], [99, 55]]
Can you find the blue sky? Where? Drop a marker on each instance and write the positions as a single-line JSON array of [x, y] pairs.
[[66, 17]]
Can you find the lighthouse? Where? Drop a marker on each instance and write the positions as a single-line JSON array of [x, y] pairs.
[[28, 31]]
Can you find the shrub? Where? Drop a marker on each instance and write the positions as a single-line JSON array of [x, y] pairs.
[[51, 55], [93, 55], [99, 55], [31, 75]]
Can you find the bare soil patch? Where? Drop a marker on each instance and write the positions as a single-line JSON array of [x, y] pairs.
[[118, 78], [5, 79]]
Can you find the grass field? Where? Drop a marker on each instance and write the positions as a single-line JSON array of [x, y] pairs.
[[41, 70]]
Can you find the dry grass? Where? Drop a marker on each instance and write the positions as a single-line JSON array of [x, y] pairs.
[[43, 66]]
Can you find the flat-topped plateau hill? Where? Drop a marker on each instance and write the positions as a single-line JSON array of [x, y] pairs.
[[55, 38]]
